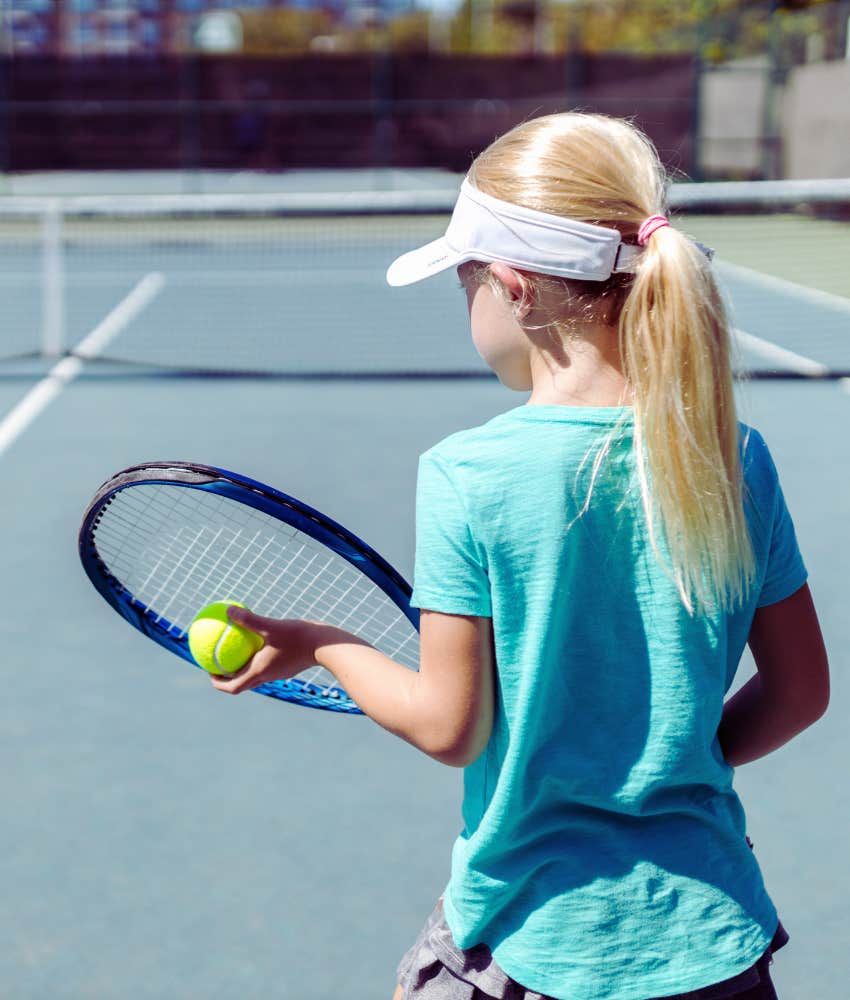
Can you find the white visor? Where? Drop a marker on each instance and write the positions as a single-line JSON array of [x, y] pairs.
[[487, 229]]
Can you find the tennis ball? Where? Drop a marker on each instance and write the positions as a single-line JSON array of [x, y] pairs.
[[219, 645]]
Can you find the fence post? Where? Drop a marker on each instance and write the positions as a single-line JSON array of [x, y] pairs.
[[383, 121], [192, 102], [5, 98], [771, 138]]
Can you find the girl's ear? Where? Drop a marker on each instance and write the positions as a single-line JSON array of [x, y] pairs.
[[516, 285]]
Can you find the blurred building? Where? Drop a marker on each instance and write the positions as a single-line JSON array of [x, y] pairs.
[[123, 27], [88, 27]]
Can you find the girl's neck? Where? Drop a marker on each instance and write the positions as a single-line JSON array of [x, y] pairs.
[[586, 371]]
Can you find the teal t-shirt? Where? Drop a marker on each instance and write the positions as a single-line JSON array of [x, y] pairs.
[[603, 854]]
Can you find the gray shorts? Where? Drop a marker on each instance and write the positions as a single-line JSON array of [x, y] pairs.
[[436, 969]]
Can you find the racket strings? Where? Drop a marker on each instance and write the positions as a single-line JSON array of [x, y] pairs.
[[186, 573], [132, 522], [177, 549]]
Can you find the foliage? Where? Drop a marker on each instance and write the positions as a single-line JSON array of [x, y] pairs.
[[789, 31], [283, 31], [411, 32]]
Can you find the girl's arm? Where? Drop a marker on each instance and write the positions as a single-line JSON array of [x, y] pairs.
[[790, 690], [445, 709]]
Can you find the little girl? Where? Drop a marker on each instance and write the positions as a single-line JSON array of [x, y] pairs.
[[590, 566]]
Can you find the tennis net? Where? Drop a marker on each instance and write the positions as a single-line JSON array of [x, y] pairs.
[[292, 285]]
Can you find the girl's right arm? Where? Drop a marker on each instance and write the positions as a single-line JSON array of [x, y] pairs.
[[790, 690]]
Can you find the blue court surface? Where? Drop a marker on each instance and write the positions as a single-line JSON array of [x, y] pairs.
[[161, 840]]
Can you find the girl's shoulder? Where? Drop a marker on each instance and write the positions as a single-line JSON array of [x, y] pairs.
[[756, 458], [464, 445], [762, 488]]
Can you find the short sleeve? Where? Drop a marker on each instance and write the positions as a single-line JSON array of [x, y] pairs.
[[784, 572], [450, 573]]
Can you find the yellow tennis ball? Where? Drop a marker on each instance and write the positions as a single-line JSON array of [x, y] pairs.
[[219, 645]]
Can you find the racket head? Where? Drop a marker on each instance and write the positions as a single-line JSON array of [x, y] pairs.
[[161, 540]]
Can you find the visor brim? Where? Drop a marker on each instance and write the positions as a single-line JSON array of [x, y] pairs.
[[416, 265]]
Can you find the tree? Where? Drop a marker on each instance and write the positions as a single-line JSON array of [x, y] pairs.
[[285, 30]]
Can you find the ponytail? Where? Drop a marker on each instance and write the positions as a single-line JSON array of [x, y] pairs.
[[676, 353]]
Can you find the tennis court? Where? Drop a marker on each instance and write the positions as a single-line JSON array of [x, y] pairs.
[[162, 840]]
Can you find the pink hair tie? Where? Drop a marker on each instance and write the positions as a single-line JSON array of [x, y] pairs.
[[649, 226]]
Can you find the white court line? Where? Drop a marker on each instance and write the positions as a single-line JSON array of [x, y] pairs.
[[775, 354], [66, 370], [780, 355], [790, 287]]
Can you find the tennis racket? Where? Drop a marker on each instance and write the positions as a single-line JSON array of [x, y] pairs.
[[161, 541]]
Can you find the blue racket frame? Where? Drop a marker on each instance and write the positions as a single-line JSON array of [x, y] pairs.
[[190, 475]]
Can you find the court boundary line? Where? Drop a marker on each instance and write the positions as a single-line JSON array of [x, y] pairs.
[[65, 371], [782, 355], [816, 295]]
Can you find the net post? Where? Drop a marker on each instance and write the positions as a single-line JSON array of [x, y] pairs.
[[53, 280]]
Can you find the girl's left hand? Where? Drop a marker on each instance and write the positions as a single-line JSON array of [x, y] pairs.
[[289, 647]]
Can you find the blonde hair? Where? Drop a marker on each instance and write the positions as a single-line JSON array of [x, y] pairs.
[[673, 337]]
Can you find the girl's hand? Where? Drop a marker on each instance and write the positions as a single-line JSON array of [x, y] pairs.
[[446, 708], [290, 647]]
